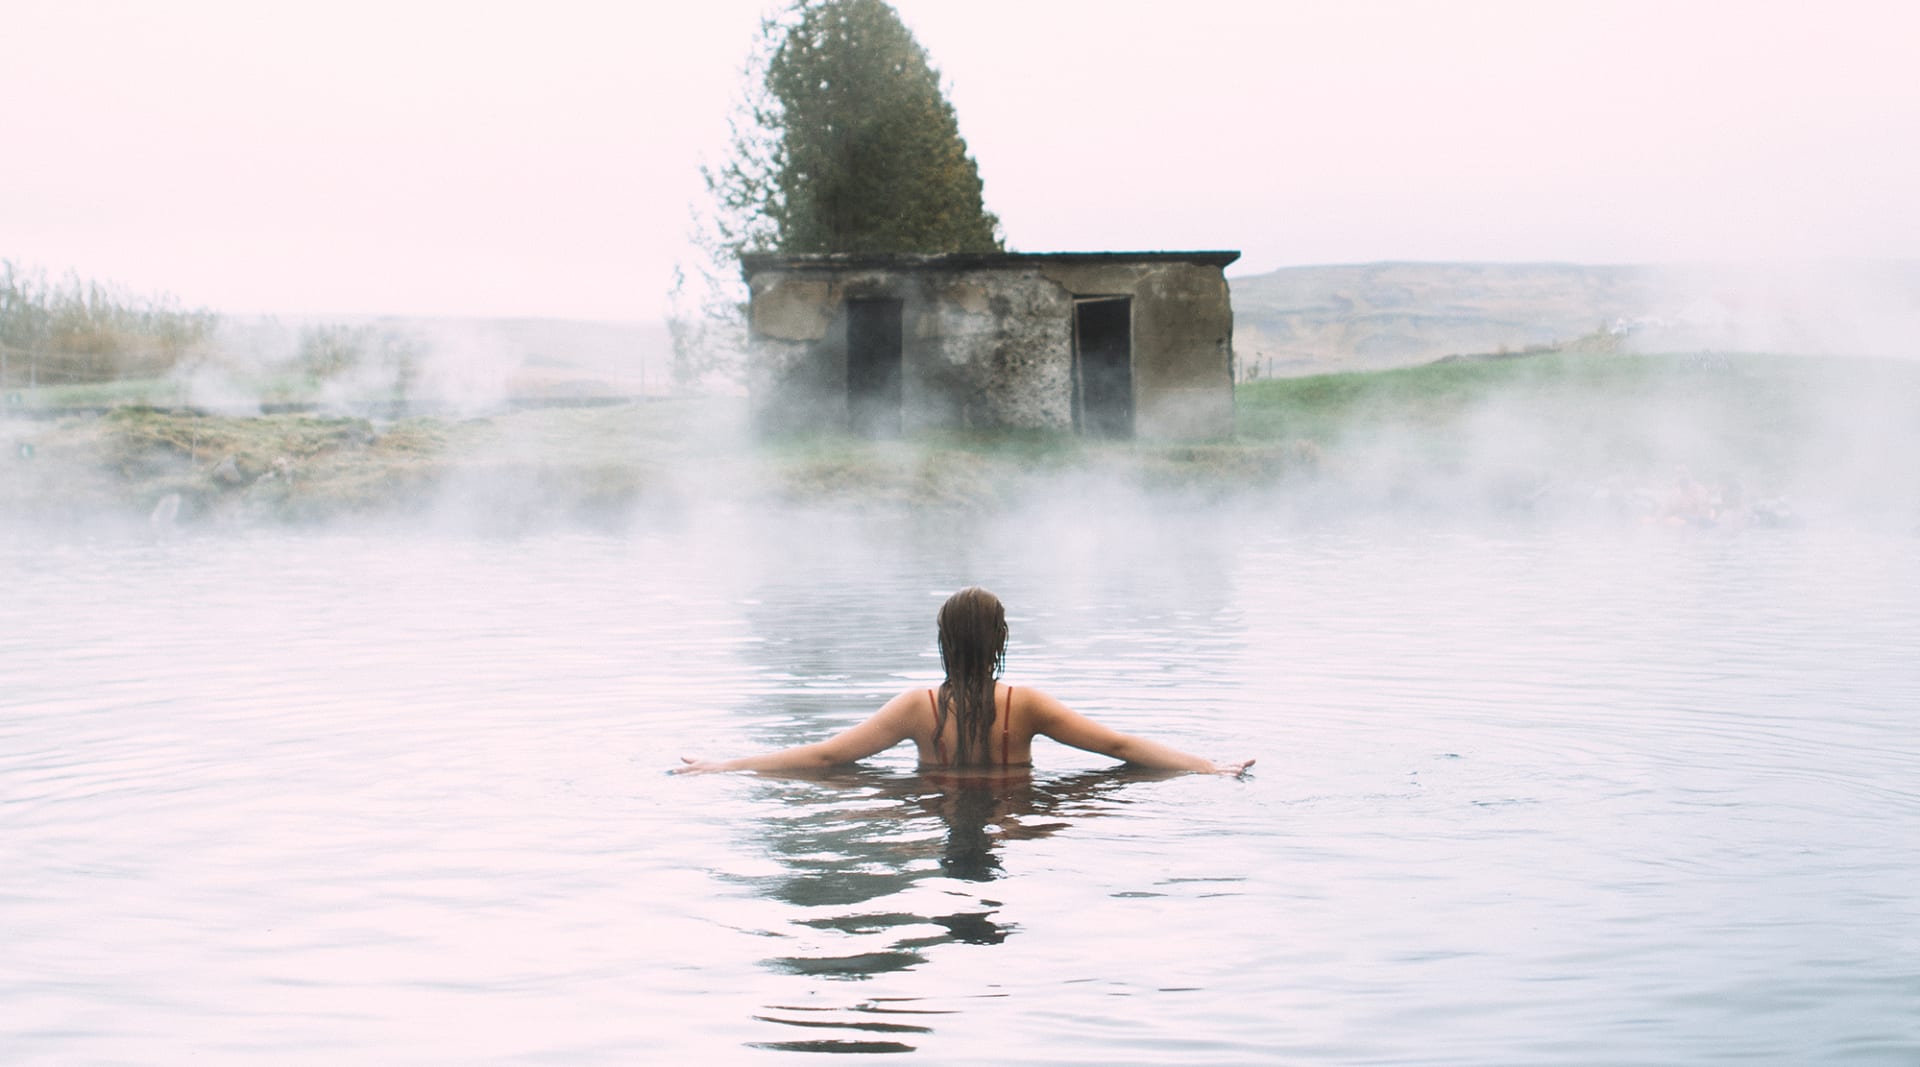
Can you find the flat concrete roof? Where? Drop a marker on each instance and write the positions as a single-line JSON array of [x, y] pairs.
[[754, 262]]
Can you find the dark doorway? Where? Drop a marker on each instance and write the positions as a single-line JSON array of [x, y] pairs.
[[873, 367], [1103, 366]]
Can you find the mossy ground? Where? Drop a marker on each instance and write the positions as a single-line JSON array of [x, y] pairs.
[[1532, 418]]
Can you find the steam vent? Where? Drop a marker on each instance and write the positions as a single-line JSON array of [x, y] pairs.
[[1109, 344]]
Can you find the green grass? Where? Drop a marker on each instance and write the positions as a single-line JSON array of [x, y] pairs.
[[1326, 407], [154, 392], [1761, 424], [168, 391], [1589, 394]]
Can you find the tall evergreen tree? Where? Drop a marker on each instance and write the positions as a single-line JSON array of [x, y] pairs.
[[869, 156], [845, 142]]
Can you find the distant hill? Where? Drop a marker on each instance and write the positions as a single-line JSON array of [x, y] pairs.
[[1308, 320]]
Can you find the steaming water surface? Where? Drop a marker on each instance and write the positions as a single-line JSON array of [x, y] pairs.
[[1525, 796]]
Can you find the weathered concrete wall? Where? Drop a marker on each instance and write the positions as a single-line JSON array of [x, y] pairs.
[[797, 375], [1015, 363], [1182, 343], [992, 345], [980, 349]]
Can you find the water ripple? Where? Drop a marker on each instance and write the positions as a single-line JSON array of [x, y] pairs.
[[1527, 798]]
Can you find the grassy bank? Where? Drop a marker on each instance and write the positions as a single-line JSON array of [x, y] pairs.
[[1733, 434], [1626, 410], [237, 469], [1509, 433]]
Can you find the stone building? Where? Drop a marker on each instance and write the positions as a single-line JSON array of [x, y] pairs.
[[1111, 344]]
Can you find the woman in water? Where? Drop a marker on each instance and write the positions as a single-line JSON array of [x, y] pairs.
[[972, 721]]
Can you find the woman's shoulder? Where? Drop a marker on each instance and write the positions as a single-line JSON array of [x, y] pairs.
[[1030, 698], [922, 700], [918, 695]]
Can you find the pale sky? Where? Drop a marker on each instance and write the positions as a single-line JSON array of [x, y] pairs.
[[516, 159]]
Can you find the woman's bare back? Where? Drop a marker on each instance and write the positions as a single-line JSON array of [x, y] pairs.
[[1008, 744]]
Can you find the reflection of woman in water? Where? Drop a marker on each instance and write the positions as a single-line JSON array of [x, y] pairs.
[[973, 722]]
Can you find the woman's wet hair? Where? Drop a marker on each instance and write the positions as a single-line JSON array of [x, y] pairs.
[[973, 648]]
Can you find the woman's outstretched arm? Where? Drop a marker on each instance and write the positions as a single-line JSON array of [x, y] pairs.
[[1069, 727], [888, 727]]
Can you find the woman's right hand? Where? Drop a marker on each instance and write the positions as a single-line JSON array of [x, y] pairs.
[[1235, 769]]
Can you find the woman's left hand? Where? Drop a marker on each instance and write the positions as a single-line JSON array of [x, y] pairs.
[[695, 766]]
